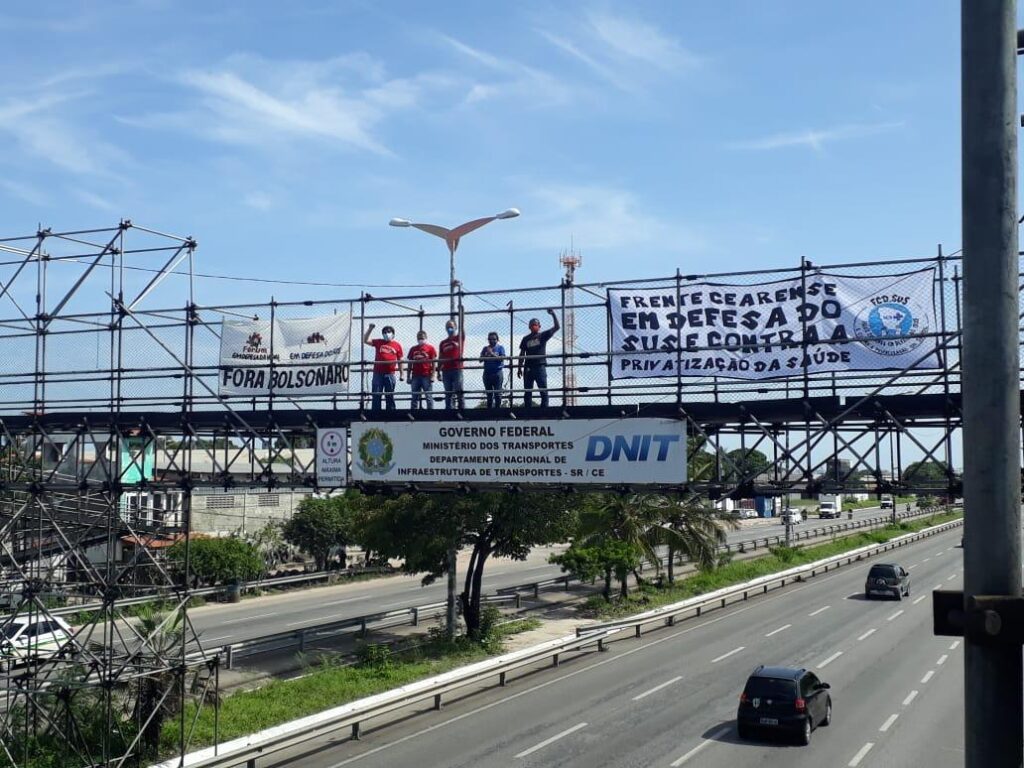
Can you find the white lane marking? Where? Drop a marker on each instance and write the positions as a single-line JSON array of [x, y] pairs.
[[937, 586], [248, 618], [919, 599], [951, 577], [539, 686], [860, 755], [348, 600], [888, 722], [937, 554], [895, 615], [910, 698], [909, 567], [657, 688], [942, 660], [928, 676], [926, 560], [716, 735], [830, 659], [552, 740], [780, 629], [545, 684], [953, 646], [867, 634], [854, 594], [213, 639], [820, 610], [727, 655]]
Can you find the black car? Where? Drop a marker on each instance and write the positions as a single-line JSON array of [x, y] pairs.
[[784, 699], [887, 580]]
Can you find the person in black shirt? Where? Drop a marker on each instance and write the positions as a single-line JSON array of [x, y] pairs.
[[533, 359]]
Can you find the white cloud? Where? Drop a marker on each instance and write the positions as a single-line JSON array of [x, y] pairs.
[[597, 217], [40, 128], [90, 198], [816, 139], [517, 80], [251, 101], [644, 42], [25, 192], [258, 200], [606, 72]]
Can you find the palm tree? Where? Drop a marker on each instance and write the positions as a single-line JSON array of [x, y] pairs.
[[647, 521]]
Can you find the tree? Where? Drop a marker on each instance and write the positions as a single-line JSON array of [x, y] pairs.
[[642, 522], [744, 465], [217, 561], [421, 528], [930, 474], [322, 526], [603, 558], [269, 542]]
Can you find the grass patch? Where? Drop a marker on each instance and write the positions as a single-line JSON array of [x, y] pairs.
[[781, 558], [333, 681]]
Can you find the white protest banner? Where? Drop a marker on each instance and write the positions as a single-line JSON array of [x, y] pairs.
[[755, 331], [310, 356], [634, 451], [331, 457]]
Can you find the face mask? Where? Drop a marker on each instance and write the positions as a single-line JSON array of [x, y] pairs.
[[388, 336], [421, 339], [451, 331]]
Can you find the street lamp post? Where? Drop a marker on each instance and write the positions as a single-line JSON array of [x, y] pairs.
[[451, 238]]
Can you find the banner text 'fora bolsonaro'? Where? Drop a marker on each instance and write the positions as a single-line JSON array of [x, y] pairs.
[[632, 451], [815, 323]]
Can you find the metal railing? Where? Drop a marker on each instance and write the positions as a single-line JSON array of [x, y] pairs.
[[245, 750], [298, 638]]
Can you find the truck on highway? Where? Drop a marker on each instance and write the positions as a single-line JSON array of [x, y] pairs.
[[830, 505], [887, 501]]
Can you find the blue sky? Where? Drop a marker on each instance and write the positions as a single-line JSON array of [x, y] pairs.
[[708, 136]]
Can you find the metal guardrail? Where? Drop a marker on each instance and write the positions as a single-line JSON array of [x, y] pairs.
[[738, 593], [245, 750], [742, 547], [280, 581], [297, 638]]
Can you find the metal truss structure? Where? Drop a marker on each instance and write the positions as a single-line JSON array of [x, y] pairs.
[[109, 374]]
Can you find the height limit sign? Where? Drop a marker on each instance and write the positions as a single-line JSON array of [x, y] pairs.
[[331, 457]]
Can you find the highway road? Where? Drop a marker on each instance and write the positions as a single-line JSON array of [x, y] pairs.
[[669, 698], [228, 623]]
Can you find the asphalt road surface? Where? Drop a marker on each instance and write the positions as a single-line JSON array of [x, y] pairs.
[[229, 623], [669, 699]]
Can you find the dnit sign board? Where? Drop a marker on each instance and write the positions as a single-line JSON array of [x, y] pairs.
[[331, 457], [632, 451]]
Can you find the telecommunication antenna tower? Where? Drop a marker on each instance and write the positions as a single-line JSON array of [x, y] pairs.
[[571, 260]]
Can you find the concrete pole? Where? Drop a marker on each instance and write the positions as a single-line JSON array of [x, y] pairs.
[[992, 558]]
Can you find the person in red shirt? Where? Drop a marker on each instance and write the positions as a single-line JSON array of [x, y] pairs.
[[422, 359], [387, 362], [450, 362]]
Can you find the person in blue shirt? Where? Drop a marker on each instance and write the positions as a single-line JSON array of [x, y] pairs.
[[493, 357]]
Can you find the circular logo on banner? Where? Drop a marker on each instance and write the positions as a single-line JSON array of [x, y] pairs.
[[891, 327], [332, 444], [375, 452]]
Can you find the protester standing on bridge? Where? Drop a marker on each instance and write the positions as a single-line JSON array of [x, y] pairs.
[[450, 362], [533, 359], [387, 362], [493, 357], [422, 359]]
